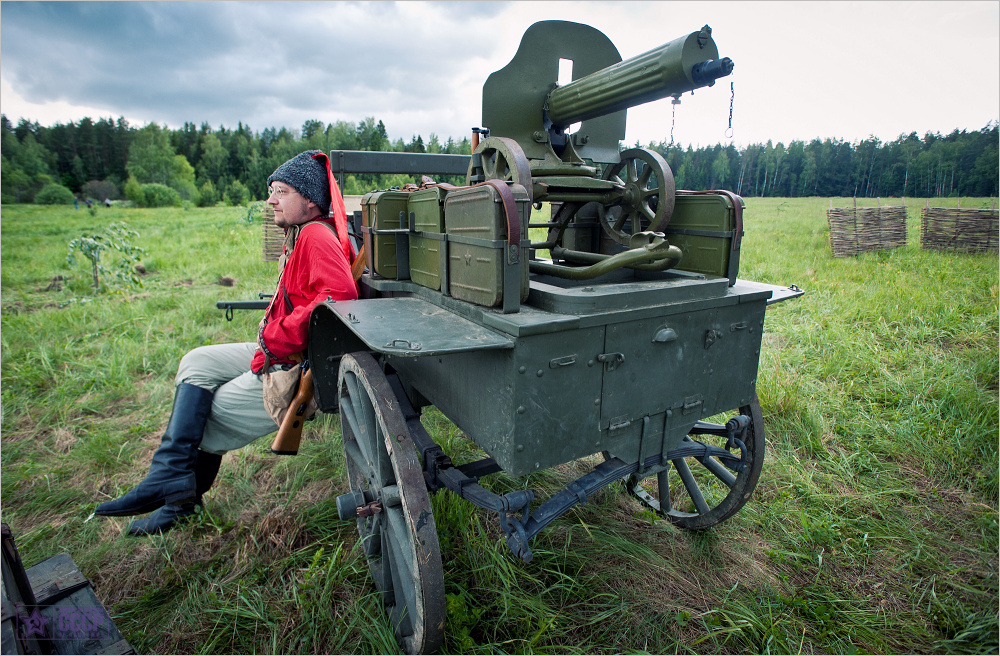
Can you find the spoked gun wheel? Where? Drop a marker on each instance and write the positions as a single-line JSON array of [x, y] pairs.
[[697, 493], [389, 499]]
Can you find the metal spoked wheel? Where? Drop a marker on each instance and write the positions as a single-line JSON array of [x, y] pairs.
[[702, 492], [502, 159], [648, 199], [389, 498]]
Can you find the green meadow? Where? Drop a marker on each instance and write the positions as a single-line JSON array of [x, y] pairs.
[[874, 528]]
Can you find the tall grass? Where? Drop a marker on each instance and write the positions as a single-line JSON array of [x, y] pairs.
[[873, 529]]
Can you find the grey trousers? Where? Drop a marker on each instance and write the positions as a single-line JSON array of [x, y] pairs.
[[238, 416]]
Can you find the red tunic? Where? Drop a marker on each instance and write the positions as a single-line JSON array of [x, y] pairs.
[[317, 271]]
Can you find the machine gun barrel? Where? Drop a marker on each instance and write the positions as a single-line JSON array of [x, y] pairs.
[[684, 64]]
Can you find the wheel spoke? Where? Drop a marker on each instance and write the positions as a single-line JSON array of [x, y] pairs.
[[719, 470], [663, 488], [404, 600], [644, 178], [386, 582], [402, 535], [371, 535], [621, 219], [691, 486], [363, 457]]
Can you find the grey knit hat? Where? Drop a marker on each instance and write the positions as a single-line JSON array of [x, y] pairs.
[[307, 176]]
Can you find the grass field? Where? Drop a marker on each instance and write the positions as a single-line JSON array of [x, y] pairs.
[[874, 528]]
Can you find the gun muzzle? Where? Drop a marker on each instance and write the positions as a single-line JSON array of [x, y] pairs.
[[706, 73]]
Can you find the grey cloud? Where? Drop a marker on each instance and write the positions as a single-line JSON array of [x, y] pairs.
[[226, 62]]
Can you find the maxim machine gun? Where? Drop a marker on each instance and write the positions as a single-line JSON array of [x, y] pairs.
[[528, 117], [634, 340]]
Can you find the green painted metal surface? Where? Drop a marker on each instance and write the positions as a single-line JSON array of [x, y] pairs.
[[523, 100], [477, 242], [704, 228], [513, 97], [428, 251], [383, 210], [658, 73], [628, 380]]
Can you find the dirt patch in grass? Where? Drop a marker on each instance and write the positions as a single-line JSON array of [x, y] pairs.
[[64, 440], [313, 493]]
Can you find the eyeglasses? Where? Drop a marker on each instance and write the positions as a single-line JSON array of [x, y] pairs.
[[277, 191]]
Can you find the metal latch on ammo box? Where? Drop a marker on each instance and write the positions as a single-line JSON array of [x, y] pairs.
[[611, 360]]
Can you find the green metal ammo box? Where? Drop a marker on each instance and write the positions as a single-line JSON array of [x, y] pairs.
[[383, 210], [427, 251], [477, 239], [708, 229]]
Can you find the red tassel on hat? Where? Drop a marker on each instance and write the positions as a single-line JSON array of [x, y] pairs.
[[338, 209]]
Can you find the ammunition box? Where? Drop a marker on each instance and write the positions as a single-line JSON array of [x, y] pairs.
[[383, 210], [704, 227], [427, 251], [477, 244]]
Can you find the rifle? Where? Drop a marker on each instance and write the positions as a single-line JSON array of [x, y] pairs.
[[286, 443], [229, 306]]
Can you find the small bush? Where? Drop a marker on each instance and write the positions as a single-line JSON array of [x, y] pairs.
[[54, 194], [133, 191], [237, 193], [158, 195], [207, 195], [119, 267]]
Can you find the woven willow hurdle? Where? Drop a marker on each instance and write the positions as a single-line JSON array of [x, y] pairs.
[[274, 237], [968, 230], [856, 230]]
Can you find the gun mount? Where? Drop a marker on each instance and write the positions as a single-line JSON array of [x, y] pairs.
[[528, 117]]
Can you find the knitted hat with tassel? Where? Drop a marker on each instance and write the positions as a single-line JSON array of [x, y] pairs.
[[309, 174]]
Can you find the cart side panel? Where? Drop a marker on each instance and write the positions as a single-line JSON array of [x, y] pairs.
[[689, 364], [473, 390], [557, 401], [530, 408]]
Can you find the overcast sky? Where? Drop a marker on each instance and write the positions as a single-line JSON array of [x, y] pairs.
[[843, 70]]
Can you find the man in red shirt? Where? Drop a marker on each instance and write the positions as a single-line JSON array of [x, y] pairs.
[[218, 403]]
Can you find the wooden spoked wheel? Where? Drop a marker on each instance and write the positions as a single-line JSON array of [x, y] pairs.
[[696, 493], [647, 200], [393, 509]]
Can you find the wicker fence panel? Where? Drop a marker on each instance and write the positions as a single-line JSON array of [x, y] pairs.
[[967, 230], [274, 237], [856, 230]]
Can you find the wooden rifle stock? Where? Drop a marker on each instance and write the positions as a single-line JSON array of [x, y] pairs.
[[286, 443]]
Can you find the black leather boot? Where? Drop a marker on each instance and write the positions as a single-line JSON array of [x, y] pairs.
[[169, 515], [171, 477]]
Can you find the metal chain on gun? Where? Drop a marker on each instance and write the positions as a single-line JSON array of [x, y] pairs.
[[732, 97], [673, 118]]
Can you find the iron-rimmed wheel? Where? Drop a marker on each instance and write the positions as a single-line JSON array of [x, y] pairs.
[[648, 195], [397, 528], [702, 492], [501, 158]]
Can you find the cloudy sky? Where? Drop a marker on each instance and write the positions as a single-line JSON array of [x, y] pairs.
[[804, 70]]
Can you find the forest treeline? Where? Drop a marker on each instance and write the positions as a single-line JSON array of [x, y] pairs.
[[154, 165]]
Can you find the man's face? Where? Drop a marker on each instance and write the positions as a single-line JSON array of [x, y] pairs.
[[290, 207]]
